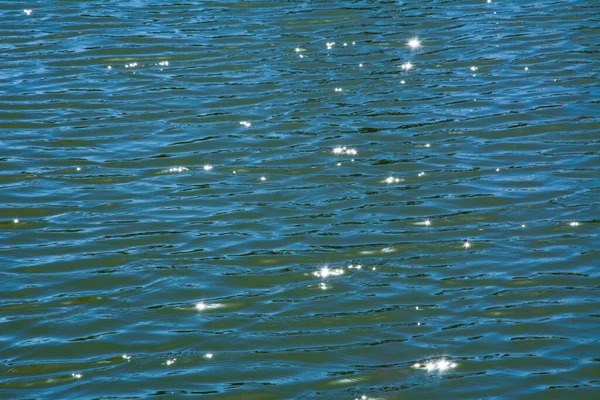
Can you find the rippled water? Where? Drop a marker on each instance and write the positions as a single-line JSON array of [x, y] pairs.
[[183, 211]]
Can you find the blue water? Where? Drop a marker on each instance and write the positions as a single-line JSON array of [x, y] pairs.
[[284, 200]]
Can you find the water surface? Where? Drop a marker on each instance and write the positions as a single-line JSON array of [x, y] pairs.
[[171, 195]]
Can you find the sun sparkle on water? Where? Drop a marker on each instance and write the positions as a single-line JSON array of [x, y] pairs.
[[414, 44]]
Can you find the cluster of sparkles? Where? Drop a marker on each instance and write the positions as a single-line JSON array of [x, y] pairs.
[[574, 223], [440, 365], [357, 266], [28, 12], [201, 306], [345, 150], [339, 89], [326, 272], [323, 286], [126, 357], [363, 397], [208, 167], [421, 174], [299, 50], [330, 45], [390, 179], [131, 65], [414, 44], [178, 169], [407, 66], [164, 63], [76, 376], [388, 250], [474, 69], [246, 124], [171, 362]]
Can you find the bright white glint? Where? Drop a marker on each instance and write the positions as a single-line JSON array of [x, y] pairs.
[[466, 244], [390, 179], [323, 286], [574, 223], [109, 67], [526, 68], [387, 250], [28, 12], [207, 167], [489, 1], [246, 124], [360, 65], [440, 365], [474, 69], [330, 45], [263, 178], [427, 145], [339, 164], [443, 365], [421, 174], [427, 222], [417, 308], [523, 225], [178, 169], [16, 220], [345, 150], [126, 357], [170, 362], [200, 306], [414, 44], [208, 355], [497, 169], [407, 66], [78, 168], [402, 82], [299, 49], [76, 376], [326, 272], [339, 89]]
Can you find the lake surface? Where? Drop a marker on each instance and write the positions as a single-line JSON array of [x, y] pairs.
[[300, 199]]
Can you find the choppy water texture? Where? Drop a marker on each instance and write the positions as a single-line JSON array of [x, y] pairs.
[[175, 218]]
